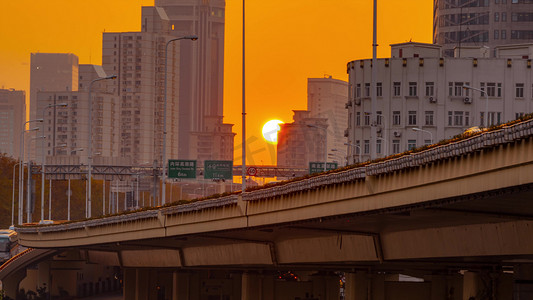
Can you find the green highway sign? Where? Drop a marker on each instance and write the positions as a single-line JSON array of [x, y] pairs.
[[317, 167], [218, 169], [182, 169]]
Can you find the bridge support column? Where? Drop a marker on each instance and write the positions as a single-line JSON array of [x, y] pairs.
[[326, 287], [180, 285], [256, 287], [11, 283], [357, 286], [471, 285], [523, 281], [140, 284], [439, 288]]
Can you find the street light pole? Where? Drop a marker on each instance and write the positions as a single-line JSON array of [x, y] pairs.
[[43, 172], [373, 92], [243, 148], [21, 168], [356, 146], [163, 162], [422, 130], [90, 146], [486, 102], [13, 199]]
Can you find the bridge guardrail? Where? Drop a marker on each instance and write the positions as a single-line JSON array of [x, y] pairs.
[[468, 145]]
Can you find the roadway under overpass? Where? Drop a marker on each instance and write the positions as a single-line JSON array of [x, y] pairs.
[[459, 216]]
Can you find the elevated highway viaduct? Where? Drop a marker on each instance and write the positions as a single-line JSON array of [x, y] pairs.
[[458, 216]]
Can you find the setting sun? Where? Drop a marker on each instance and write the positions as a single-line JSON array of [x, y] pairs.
[[270, 131]]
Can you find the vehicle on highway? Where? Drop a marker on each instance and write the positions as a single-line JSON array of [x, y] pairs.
[[9, 245]]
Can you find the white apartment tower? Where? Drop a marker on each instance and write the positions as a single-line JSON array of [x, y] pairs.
[[418, 88], [326, 98], [12, 114], [489, 23]]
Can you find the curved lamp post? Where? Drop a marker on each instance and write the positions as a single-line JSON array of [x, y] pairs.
[[89, 157], [422, 130], [13, 200], [43, 173], [163, 162], [356, 146], [21, 167]]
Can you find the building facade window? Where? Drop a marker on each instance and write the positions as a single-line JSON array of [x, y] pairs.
[[411, 144], [430, 89], [456, 89], [396, 89], [379, 89], [519, 90], [367, 146], [412, 89], [358, 90], [396, 146], [396, 118], [367, 119], [519, 115], [496, 17], [411, 119], [367, 89], [450, 118], [503, 34], [429, 118], [467, 118], [358, 118], [493, 89], [458, 118], [496, 34], [379, 118], [378, 146]]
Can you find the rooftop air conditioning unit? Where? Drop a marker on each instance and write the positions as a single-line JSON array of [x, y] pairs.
[[432, 100], [467, 100], [397, 134]]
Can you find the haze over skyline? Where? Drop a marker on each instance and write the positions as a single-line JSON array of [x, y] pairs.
[[287, 42]]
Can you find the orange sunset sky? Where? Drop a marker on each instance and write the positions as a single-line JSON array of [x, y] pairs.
[[287, 41]]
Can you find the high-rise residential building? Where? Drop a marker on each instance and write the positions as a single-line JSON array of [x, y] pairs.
[[326, 98], [66, 129], [12, 116], [138, 59], [50, 72], [201, 68], [488, 23], [418, 88], [128, 113], [302, 141]]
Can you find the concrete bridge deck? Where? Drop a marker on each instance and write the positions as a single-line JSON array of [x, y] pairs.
[[463, 205]]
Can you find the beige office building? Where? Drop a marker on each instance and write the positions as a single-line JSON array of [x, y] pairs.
[[201, 70], [487, 23], [12, 116], [326, 98], [302, 141], [418, 88]]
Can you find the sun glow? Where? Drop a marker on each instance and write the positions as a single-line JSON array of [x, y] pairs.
[[270, 131]]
